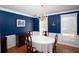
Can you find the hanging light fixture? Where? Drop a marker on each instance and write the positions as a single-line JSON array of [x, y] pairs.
[[43, 12]]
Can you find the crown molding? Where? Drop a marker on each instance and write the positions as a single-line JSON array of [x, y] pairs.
[[16, 12], [63, 12]]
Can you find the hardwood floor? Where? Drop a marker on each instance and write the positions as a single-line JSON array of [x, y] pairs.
[[21, 49], [60, 49], [66, 49]]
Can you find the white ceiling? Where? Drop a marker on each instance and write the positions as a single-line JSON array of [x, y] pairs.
[[35, 10]]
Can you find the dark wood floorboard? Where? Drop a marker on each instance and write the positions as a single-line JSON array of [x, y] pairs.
[[60, 49], [66, 49], [21, 49]]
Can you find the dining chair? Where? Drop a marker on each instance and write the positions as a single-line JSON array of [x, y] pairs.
[[55, 44], [28, 43], [30, 33], [45, 33]]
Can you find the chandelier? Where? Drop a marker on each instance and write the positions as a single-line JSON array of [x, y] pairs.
[[43, 12]]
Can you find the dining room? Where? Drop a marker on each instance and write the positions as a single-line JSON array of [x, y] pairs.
[[39, 28]]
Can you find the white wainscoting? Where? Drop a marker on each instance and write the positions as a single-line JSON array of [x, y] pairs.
[[53, 36], [67, 40], [11, 41], [36, 33]]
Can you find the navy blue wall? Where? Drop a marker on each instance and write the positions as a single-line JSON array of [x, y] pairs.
[[78, 24], [35, 24], [8, 23], [56, 19], [57, 22]]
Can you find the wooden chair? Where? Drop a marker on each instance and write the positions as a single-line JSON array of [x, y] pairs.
[[45, 33], [30, 33], [55, 44], [28, 42]]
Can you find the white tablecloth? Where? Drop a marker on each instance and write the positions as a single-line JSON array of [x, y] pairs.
[[42, 43]]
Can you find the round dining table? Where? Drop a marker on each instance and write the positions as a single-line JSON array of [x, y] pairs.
[[43, 43]]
